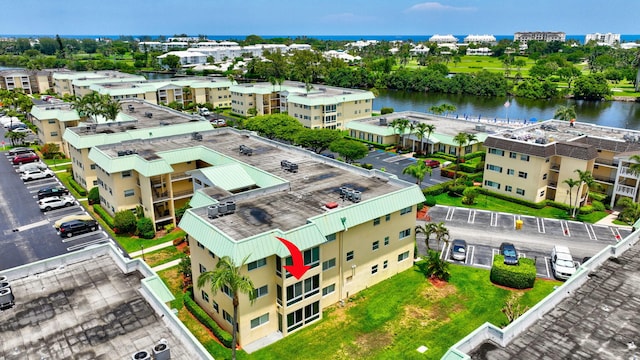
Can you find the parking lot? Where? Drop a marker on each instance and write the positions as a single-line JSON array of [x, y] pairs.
[[28, 232], [484, 231], [394, 163]]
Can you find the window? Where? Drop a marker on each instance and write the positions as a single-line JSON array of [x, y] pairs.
[[260, 320], [261, 291], [524, 157], [492, 184], [374, 269], [331, 237], [519, 191], [542, 193], [129, 192], [406, 210], [544, 176], [510, 172], [312, 257], [496, 152], [227, 317], [54, 133], [512, 154], [200, 245], [387, 217], [278, 266], [375, 245], [403, 256], [227, 290], [350, 255], [385, 264], [328, 290], [508, 188], [202, 268], [404, 233], [495, 168], [205, 296], [303, 289], [326, 265], [93, 166], [126, 173], [51, 121], [376, 221], [303, 316], [215, 306], [257, 264], [522, 174]]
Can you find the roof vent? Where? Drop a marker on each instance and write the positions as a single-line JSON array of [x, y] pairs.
[[148, 114], [212, 211], [331, 205], [231, 206], [289, 166], [161, 350], [6, 298], [245, 150], [122, 153], [141, 355], [196, 136], [223, 208], [383, 121]]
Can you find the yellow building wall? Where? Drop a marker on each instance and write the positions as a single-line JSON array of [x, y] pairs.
[[568, 168], [63, 87]]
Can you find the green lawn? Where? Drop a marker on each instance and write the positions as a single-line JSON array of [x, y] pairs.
[[163, 256], [494, 204], [392, 319]]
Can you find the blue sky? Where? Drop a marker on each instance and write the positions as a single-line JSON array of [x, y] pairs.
[[326, 17]]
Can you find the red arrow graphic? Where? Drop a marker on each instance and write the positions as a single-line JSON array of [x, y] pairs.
[[298, 268]]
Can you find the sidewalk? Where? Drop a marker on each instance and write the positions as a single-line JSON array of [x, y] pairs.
[[608, 220], [167, 265], [150, 249]]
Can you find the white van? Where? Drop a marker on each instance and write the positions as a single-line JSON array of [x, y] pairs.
[[562, 262], [204, 112], [32, 166]]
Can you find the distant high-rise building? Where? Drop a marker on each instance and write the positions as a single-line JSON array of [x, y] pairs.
[[603, 39], [547, 36], [480, 39]]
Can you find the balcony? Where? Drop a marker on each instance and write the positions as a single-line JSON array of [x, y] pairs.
[[160, 196], [162, 216], [555, 167], [607, 162], [552, 184], [180, 176], [626, 191], [182, 194], [604, 179], [626, 172]]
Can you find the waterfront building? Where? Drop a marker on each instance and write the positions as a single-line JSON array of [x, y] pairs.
[[607, 39], [547, 36], [443, 39], [483, 51], [480, 39], [77, 83], [29, 81]]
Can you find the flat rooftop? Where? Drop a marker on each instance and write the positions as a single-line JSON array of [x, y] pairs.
[[599, 320], [316, 183], [558, 130], [86, 310]]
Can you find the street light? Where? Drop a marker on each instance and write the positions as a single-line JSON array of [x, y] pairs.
[[142, 251]]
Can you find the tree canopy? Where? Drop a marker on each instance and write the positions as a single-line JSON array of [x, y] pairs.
[[350, 150]]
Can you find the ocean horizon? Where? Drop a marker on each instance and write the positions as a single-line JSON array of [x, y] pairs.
[[416, 38]]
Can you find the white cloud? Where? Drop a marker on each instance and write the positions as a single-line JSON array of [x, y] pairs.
[[436, 6], [347, 17]]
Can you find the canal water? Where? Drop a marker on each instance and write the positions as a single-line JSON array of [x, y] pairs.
[[606, 113]]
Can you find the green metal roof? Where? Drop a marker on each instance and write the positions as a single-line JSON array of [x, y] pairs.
[[307, 236], [75, 137], [371, 128], [157, 286], [448, 139], [228, 176], [42, 113], [200, 199]]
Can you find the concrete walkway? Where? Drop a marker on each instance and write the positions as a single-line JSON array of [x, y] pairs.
[[167, 265], [608, 220], [150, 249]]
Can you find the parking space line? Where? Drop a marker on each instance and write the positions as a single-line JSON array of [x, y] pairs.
[[565, 228], [546, 265], [445, 251], [31, 226], [83, 245], [472, 216], [591, 232], [82, 236], [494, 219], [615, 232], [540, 222], [450, 212], [469, 258], [515, 219]]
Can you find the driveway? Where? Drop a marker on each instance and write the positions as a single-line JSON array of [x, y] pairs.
[[394, 164]]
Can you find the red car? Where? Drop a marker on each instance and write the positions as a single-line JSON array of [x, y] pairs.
[[25, 158], [432, 163]]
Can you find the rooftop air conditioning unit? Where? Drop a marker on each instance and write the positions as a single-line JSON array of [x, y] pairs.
[[223, 208], [212, 211], [6, 298], [141, 355], [383, 121], [161, 350], [3, 278], [231, 207], [481, 127], [5, 285], [356, 196]]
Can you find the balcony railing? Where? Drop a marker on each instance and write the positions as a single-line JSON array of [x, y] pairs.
[[608, 162], [555, 167], [553, 184], [626, 172], [182, 193], [605, 179], [179, 176], [160, 196], [626, 190]]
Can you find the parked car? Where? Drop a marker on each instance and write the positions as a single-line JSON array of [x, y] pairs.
[[458, 250], [66, 219], [75, 227], [562, 263], [36, 174], [25, 158], [22, 130], [51, 191], [8, 121], [32, 166], [510, 253], [204, 112], [20, 150], [432, 163], [16, 125], [55, 202]]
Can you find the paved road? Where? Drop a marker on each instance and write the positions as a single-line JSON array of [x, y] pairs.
[[484, 231], [394, 164], [27, 234]]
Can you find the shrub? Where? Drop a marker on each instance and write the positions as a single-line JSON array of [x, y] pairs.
[[103, 214], [367, 166], [430, 201], [124, 222], [456, 190], [225, 338], [49, 150], [468, 168], [516, 200], [79, 189], [178, 241], [473, 155], [94, 195], [437, 189], [169, 228], [145, 228], [521, 276], [445, 156], [587, 209], [469, 195], [386, 110], [559, 205], [597, 206], [597, 196]]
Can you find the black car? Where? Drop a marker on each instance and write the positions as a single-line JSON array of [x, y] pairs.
[[75, 227], [50, 191], [20, 150], [510, 254]]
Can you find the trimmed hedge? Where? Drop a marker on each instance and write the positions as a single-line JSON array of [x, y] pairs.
[[445, 156], [512, 199], [474, 155], [597, 196], [77, 187], [437, 189], [225, 338], [103, 214], [375, 144], [521, 276]]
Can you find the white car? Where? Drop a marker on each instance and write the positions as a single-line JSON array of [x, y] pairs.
[[22, 130], [32, 166], [50, 203], [562, 262], [35, 174]]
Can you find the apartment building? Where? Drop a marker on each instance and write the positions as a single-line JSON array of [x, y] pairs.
[[30, 81], [52, 119], [379, 130], [138, 120], [242, 203], [607, 39], [533, 162], [315, 106], [77, 83], [547, 36]]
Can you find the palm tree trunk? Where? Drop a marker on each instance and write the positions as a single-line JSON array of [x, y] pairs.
[[235, 326]]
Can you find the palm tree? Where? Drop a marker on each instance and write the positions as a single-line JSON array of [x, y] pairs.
[[110, 108], [418, 170], [412, 130], [471, 138], [586, 178], [631, 212], [448, 108], [421, 131], [442, 233], [430, 129], [227, 274], [565, 113], [427, 230], [571, 183], [461, 140], [634, 167], [436, 109], [399, 126], [15, 137]]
